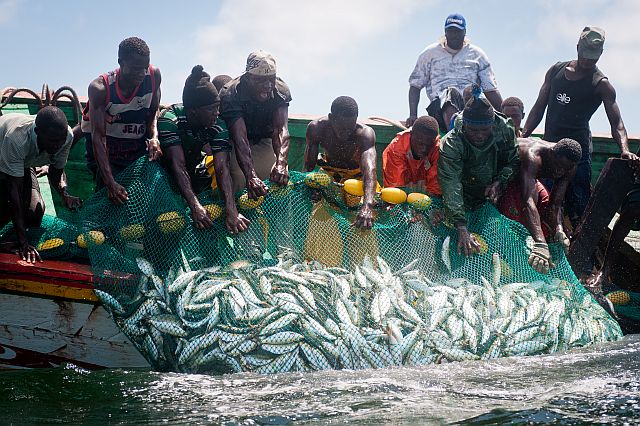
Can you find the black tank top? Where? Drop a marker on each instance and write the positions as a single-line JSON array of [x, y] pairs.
[[570, 107]]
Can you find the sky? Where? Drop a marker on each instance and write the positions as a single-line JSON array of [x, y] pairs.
[[365, 49]]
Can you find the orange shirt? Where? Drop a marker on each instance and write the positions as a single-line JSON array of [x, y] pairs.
[[399, 168]]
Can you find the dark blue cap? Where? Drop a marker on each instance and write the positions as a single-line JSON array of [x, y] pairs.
[[455, 20]]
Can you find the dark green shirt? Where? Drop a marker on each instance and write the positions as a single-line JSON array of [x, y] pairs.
[[173, 129], [465, 171]]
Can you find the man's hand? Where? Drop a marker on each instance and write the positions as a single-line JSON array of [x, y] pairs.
[[28, 253], [200, 216], [116, 193], [540, 258], [279, 174], [71, 202], [256, 188], [634, 161], [42, 171], [365, 217], [467, 243], [236, 222], [437, 217], [153, 147], [409, 122], [493, 192], [562, 238]]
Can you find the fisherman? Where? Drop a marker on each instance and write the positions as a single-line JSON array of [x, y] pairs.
[[349, 151], [27, 142], [527, 201], [185, 131], [513, 108], [411, 159], [451, 62], [255, 108], [119, 121], [572, 91], [628, 220], [220, 80], [477, 160]]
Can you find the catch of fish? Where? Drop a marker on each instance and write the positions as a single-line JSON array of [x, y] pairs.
[[303, 316]]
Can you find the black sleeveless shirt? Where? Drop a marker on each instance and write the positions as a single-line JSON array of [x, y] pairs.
[[570, 107]]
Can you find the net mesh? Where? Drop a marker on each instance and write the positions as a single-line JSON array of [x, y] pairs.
[[303, 290]]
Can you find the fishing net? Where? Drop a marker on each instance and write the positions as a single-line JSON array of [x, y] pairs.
[[303, 290]]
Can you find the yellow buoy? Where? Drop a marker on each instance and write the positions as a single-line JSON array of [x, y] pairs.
[[50, 244], [91, 237], [354, 187], [419, 201], [619, 297], [317, 180], [132, 232], [393, 195], [170, 222], [213, 210], [246, 203]]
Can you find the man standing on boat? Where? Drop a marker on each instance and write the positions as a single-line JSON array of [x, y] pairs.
[[27, 142], [451, 62], [188, 129], [349, 151], [527, 201], [477, 160], [119, 121], [255, 107], [572, 92]]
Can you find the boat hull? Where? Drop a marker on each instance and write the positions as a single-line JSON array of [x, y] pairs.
[[50, 315]]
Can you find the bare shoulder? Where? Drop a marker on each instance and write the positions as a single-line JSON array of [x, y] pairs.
[[318, 126], [97, 89], [365, 132], [157, 75]]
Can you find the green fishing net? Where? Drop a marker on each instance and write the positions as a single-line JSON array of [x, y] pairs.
[[304, 290]]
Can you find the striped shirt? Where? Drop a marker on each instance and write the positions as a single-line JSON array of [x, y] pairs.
[[174, 129], [126, 119]]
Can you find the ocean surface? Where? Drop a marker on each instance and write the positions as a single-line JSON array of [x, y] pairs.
[[599, 384]]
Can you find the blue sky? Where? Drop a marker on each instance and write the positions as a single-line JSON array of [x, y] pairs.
[[324, 49]]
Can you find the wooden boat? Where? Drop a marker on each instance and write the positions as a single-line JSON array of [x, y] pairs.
[[49, 313]]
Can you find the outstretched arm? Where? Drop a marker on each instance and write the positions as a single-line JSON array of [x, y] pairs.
[[235, 222], [58, 181], [153, 145], [494, 97], [414, 100], [25, 251], [618, 131], [537, 111], [367, 142], [280, 141], [529, 196], [175, 155], [255, 187], [97, 103], [312, 148]]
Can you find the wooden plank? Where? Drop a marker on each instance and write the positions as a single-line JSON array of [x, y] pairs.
[[53, 269], [53, 331], [612, 186]]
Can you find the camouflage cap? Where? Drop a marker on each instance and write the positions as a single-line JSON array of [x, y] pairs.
[[261, 63], [591, 43]]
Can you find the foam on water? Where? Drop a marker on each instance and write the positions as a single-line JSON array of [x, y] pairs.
[[595, 384]]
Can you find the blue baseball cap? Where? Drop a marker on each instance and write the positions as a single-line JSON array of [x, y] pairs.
[[455, 20]]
